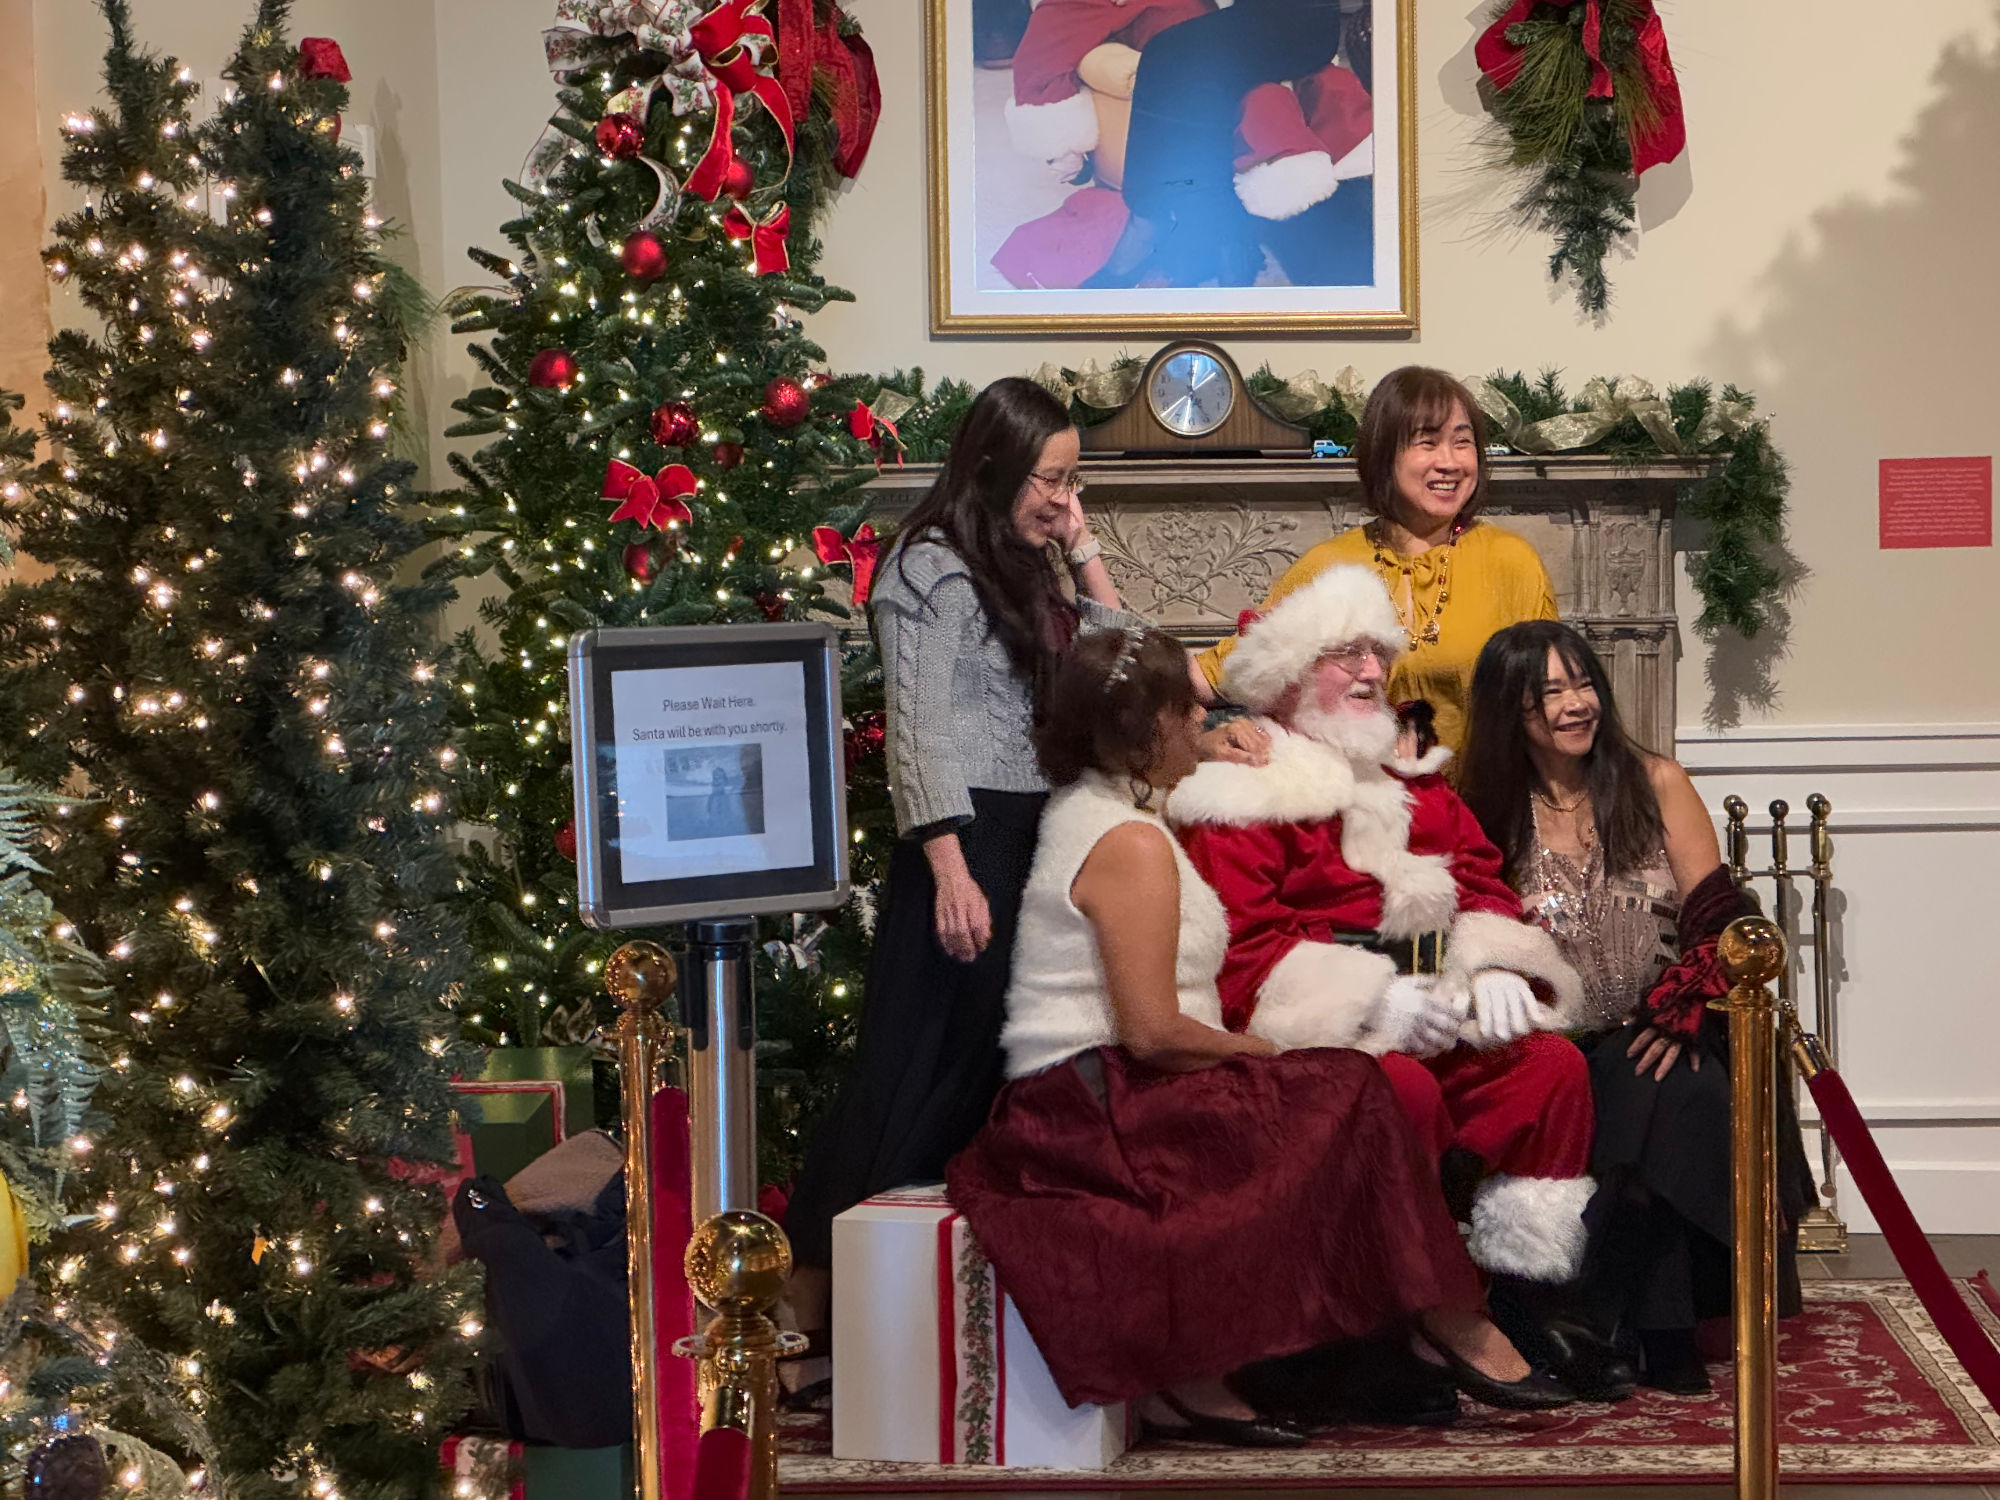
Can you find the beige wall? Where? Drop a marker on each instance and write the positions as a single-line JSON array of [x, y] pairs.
[[1826, 241]]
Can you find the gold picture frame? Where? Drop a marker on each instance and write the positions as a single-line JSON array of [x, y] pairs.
[[970, 109]]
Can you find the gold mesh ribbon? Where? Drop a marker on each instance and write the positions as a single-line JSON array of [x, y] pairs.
[[1606, 404], [1106, 390]]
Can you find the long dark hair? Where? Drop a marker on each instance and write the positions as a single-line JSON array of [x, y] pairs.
[[1497, 778], [1405, 402], [1087, 722], [971, 510]]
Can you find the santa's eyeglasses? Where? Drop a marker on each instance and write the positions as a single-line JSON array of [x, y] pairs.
[[1354, 657]]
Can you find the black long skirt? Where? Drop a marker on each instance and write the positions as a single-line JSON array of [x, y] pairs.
[[927, 1064], [1660, 1223]]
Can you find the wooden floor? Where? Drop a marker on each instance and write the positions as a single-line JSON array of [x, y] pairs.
[[1867, 1255]]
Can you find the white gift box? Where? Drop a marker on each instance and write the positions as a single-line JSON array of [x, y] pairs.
[[932, 1362]]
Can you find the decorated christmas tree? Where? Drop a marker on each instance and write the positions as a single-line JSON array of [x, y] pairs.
[[664, 450], [224, 660]]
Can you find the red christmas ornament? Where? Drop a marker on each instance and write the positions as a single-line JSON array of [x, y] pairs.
[[553, 369], [320, 57], [566, 841], [786, 403], [864, 738], [772, 605], [728, 455], [644, 257], [675, 425], [620, 137], [642, 563], [738, 180]]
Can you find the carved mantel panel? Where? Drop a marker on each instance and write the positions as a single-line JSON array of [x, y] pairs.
[[1192, 543]]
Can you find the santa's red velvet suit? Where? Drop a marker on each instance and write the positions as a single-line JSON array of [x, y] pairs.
[[1313, 847]]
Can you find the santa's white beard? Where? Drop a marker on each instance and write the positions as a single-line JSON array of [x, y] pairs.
[[1366, 737]]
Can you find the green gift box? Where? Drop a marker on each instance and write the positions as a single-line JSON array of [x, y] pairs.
[[525, 1101]]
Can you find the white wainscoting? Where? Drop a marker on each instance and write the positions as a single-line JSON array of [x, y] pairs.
[[1914, 925]]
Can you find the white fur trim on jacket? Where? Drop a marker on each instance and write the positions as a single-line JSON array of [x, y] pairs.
[[1429, 763], [1530, 1226], [1287, 186], [1486, 940], [1305, 782], [1321, 995], [1345, 603], [1049, 132], [1360, 162]]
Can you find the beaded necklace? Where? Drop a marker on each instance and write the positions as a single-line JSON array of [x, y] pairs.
[[1422, 631]]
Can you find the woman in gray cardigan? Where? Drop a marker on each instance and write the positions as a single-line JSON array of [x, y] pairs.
[[970, 616]]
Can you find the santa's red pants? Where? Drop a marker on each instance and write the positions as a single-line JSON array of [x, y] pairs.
[[1525, 1111]]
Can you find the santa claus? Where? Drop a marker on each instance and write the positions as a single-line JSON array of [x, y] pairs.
[[1367, 909]]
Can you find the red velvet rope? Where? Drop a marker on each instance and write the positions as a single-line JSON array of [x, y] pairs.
[[673, 1303], [1937, 1291], [722, 1472]]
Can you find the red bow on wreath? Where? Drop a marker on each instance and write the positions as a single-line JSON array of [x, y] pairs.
[[729, 40], [767, 239], [651, 501], [861, 553], [1659, 133], [870, 426]]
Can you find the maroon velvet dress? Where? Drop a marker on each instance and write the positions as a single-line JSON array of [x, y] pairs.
[[1156, 1228]]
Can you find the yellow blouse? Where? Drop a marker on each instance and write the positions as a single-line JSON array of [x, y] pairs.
[[1494, 579]]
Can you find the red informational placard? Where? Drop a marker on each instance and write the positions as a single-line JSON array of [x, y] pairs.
[[1936, 502]]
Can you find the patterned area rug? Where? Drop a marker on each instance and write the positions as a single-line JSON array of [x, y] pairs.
[[1867, 1393]]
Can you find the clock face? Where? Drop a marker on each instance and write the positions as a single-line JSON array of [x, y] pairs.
[[1190, 392]]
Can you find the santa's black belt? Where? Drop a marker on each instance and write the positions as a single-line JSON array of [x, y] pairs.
[[1423, 954]]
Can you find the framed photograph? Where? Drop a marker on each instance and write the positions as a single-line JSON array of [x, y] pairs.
[[1161, 166]]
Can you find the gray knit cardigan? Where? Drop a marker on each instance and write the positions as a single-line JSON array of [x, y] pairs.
[[958, 714]]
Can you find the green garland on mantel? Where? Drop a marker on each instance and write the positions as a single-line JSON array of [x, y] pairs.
[[1741, 501]]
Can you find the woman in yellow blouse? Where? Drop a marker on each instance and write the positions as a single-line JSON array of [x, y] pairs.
[[1456, 580]]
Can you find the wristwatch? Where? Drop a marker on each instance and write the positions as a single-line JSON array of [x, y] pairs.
[[1090, 549]]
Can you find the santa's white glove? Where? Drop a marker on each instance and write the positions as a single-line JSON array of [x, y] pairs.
[[1414, 1017], [1504, 1005]]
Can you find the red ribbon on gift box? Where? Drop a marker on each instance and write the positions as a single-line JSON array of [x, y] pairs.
[[1664, 135]]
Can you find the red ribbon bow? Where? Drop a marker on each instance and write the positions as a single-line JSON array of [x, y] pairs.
[[767, 238], [651, 501], [869, 427], [722, 40], [1664, 136], [861, 553]]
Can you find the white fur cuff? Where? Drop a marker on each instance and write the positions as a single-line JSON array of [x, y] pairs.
[[1288, 186], [1487, 940], [1049, 132], [1321, 995], [1530, 1226]]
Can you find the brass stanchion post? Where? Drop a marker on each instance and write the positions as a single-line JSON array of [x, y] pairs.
[[641, 977], [738, 1263], [1752, 950], [1822, 1228]]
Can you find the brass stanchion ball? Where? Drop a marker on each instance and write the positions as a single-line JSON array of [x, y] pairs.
[[641, 976], [738, 1262], [1752, 950]]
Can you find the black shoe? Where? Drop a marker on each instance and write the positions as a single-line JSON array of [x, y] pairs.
[[1538, 1390], [1589, 1365], [1673, 1363], [1233, 1432], [1375, 1380]]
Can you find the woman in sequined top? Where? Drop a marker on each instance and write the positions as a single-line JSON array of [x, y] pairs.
[[1614, 853]]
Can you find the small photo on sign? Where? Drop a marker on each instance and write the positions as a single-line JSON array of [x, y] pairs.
[[713, 792]]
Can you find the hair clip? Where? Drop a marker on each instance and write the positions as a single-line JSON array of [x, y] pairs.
[[1121, 665]]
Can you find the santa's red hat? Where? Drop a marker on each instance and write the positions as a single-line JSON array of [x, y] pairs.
[[1276, 651]]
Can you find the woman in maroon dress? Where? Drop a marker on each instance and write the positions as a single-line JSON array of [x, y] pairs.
[[1165, 1200]]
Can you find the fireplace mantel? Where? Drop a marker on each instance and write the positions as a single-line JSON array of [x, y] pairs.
[[1191, 543]]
